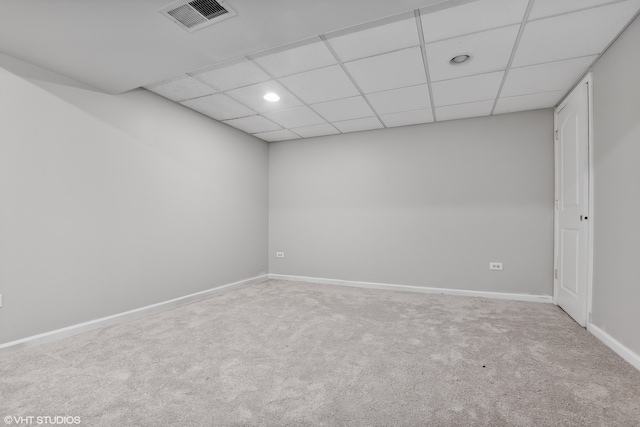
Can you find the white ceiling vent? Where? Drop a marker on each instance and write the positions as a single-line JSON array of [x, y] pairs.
[[197, 14]]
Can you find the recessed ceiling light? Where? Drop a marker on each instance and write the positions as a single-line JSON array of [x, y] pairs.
[[272, 97], [460, 59]]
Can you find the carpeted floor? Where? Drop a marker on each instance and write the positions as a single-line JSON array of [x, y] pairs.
[[295, 354]]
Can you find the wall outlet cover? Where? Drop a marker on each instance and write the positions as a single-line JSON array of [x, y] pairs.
[[495, 266]]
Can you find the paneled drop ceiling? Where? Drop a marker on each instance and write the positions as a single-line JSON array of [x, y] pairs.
[[396, 71], [338, 66]]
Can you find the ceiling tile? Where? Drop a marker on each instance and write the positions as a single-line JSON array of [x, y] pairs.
[[277, 135], [325, 84], [295, 117], [463, 111], [296, 60], [466, 89], [358, 125], [544, 8], [472, 17], [232, 76], [377, 40], [560, 75], [389, 71], [407, 118], [398, 100], [315, 130], [219, 106], [489, 50], [181, 88], [573, 35], [253, 96], [344, 109], [253, 124], [529, 102]]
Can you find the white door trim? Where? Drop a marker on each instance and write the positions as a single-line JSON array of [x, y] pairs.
[[588, 81]]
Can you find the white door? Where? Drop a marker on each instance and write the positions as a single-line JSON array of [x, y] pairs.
[[572, 204]]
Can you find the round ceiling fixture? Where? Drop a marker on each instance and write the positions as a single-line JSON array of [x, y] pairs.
[[460, 59], [272, 97]]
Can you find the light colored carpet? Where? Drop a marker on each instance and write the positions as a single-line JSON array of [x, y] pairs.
[[294, 354]]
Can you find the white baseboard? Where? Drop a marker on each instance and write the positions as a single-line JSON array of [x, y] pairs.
[[426, 290], [120, 317], [615, 345]]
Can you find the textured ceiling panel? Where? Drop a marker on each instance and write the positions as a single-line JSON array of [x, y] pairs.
[[546, 8], [296, 60], [377, 40], [181, 88], [473, 17], [344, 109], [253, 124], [253, 97], [277, 135], [389, 71], [219, 107], [325, 84], [467, 89], [233, 76], [407, 118], [573, 35], [357, 125], [489, 50], [398, 100], [463, 111], [315, 130], [529, 102], [295, 117], [552, 76]]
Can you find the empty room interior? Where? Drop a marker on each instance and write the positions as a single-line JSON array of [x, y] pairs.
[[244, 213]]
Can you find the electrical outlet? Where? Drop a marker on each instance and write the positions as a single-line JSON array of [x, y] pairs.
[[279, 254], [495, 266], [0, 300]]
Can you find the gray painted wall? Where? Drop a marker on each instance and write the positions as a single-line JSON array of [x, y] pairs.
[[616, 121], [428, 205], [113, 203]]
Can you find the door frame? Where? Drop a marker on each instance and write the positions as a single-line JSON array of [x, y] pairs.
[[589, 82]]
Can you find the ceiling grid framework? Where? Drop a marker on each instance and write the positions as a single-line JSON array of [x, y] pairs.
[[396, 71], [333, 52], [302, 128], [425, 60], [527, 13]]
